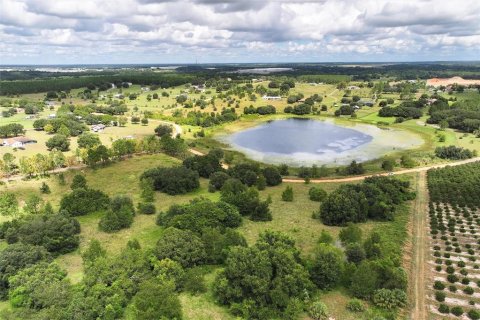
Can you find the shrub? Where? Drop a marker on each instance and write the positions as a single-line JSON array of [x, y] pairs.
[[468, 290], [389, 299], [58, 142], [474, 314], [146, 208], [350, 234], [120, 215], [182, 246], [272, 176], [327, 266], [83, 201], [440, 296], [356, 305], [317, 194], [438, 285], [457, 311], [287, 194], [443, 308], [78, 181], [217, 179], [318, 311], [44, 188]]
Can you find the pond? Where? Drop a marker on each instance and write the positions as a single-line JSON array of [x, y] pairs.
[[300, 142]]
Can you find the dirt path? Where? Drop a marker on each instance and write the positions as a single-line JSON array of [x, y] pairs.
[[420, 249]]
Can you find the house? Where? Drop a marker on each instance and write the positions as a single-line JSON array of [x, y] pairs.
[[200, 88], [97, 127], [17, 142], [52, 116], [265, 97], [353, 87]]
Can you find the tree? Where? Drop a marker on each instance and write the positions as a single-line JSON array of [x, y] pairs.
[[259, 282], [388, 164], [119, 216], [355, 253], [175, 180], [16, 257], [327, 266], [44, 188], [163, 130], [272, 176], [217, 179], [157, 300], [287, 194], [88, 140], [144, 121], [317, 194], [78, 181], [182, 246], [8, 204], [59, 142], [93, 252]]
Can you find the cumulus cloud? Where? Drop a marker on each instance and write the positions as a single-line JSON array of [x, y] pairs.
[[237, 30]]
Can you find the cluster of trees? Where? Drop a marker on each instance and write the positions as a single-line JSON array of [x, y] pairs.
[[199, 232], [38, 164], [462, 115], [66, 125], [207, 119], [299, 109], [174, 180], [375, 198], [262, 110], [401, 112], [454, 153], [456, 185], [11, 129], [56, 84]]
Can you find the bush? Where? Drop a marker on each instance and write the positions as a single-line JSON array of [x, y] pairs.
[[443, 308], [457, 311], [163, 130], [182, 246], [83, 201], [194, 282], [438, 285], [389, 299], [120, 215], [78, 181], [175, 180], [473, 314], [146, 208], [272, 176], [350, 234], [287, 194], [217, 179], [356, 305], [440, 296], [317, 194], [326, 267], [318, 311], [44, 188], [157, 300]]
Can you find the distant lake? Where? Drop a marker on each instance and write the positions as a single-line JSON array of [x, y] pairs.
[[304, 142]]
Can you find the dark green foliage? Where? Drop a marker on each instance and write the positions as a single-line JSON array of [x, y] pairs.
[[182, 246], [44, 188], [473, 314], [163, 130], [456, 311], [355, 253], [259, 282], [354, 168], [262, 110], [454, 153], [175, 180], [58, 233], [83, 201], [375, 198], [16, 257], [204, 165], [119, 216], [272, 176], [236, 193], [58, 142], [11, 129], [217, 179], [262, 212], [173, 146], [356, 305], [246, 172], [88, 140], [404, 112], [78, 181], [200, 214], [317, 194], [146, 208], [388, 164], [194, 282], [327, 265], [287, 194], [157, 300], [218, 242]]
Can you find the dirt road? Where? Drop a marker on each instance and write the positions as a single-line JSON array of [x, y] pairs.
[[419, 249]]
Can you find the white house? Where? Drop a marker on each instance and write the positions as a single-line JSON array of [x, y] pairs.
[[97, 127], [17, 142]]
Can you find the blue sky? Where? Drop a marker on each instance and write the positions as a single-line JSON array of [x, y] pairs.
[[208, 31]]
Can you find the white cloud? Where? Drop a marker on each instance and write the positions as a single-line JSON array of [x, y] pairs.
[[240, 29]]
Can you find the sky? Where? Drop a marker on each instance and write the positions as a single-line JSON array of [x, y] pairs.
[[231, 31]]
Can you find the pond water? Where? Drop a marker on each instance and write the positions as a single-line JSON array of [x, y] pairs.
[[305, 142]]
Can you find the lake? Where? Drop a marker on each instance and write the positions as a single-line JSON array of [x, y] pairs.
[[305, 142]]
